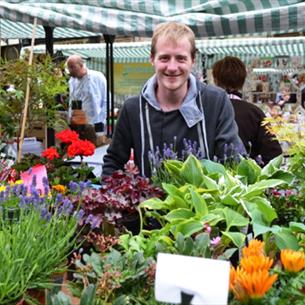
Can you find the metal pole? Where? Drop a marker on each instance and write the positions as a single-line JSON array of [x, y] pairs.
[[50, 133], [109, 39]]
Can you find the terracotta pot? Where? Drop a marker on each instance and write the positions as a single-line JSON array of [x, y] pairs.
[[37, 294]]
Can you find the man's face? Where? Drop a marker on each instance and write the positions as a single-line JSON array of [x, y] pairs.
[[173, 64], [74, 69]]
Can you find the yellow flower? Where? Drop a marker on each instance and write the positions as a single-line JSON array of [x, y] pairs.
[[252, 285], [293, 261], [255, 247], [254, 263], [59, 188], [17, 182]]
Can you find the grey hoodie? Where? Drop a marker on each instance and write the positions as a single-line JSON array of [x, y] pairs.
[[206, 116]]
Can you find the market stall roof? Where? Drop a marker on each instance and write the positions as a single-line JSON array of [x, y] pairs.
[[18, 30], [213, 18], [139, 51]]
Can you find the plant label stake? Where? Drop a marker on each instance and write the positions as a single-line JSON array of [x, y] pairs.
[[27, 95]]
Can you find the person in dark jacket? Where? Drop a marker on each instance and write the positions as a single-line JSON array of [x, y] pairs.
[[230, 73], [172, 106]]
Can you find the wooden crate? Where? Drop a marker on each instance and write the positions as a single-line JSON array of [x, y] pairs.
[[38, 130]]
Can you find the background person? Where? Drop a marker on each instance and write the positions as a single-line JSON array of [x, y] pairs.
[[89, 87], [173, 105], [230, 73]]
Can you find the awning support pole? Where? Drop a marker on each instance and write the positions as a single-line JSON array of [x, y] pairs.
[[109, 39]]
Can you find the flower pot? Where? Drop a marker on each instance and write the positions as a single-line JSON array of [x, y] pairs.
[[38, 295]]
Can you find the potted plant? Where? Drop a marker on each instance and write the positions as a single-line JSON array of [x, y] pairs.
[[46, 83], [35, 241]]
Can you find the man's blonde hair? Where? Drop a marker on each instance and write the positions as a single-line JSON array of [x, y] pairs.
[[173, 31]]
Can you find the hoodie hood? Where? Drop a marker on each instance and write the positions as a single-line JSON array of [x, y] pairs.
[[188, 109]]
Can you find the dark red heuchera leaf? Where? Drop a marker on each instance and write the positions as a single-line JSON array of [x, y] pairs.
[[119, 195]]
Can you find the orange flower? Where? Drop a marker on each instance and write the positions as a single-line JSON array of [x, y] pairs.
[[254, 263], [256, 247], [293, 261], [252, 285], [232, 277], [59, 188]]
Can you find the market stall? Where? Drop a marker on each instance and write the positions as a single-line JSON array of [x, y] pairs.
[[212, 214]]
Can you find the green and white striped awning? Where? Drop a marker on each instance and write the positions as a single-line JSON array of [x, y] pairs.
[[140, 51], [122, 52], [208, 18], [18, 30]]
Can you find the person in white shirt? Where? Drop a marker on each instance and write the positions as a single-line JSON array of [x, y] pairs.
[[89, 87]]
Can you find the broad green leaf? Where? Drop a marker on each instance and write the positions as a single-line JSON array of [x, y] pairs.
[[189, 227], [259, 229], [249, 169], [213, 167], [153, 204], [234, 219], [272, 166], [228, 253], [199, 203], [285, 239], [172, 190], [297, 227], [211, 219], [191, 171], [188, 246], [261, 211], [179, 214], [266, 209], [229, 200], [88, 295], [202, 241], [283, 175], [173, 168], [210, 183], [259, 187], [178, 202], [237, 238]]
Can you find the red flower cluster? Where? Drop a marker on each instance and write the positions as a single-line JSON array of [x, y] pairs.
[[50, 153], [80, 148], [76, 146], [67, 136]]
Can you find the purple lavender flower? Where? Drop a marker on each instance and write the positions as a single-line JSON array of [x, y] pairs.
[[73, 186], [80, 214], [58, 199]]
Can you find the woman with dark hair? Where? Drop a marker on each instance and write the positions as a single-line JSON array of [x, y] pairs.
[[230, 74]]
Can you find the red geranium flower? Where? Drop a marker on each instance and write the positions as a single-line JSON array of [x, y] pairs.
[[50, 153], [67, 136], [80, 148]]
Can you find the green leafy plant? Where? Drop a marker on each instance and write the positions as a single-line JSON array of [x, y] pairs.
[[45, 84], [36, 237], [206, 193]]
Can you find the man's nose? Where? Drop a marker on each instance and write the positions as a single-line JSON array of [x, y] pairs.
[[172, 64]]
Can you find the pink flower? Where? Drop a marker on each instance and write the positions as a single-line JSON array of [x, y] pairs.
[[207, 228], [215, 241]]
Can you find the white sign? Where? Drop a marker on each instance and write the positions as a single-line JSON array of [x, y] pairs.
[[206, 279]]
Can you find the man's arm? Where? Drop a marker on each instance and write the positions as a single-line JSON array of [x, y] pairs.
[[118, 152], [98, 95], [227, 142]]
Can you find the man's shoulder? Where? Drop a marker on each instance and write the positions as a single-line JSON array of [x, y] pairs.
[[250, 107], [211, 90], [96, 74]]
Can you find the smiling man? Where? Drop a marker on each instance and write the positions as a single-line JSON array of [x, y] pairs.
[[172, 107]]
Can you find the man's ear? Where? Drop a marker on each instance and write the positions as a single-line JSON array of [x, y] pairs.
[[151, 59]]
